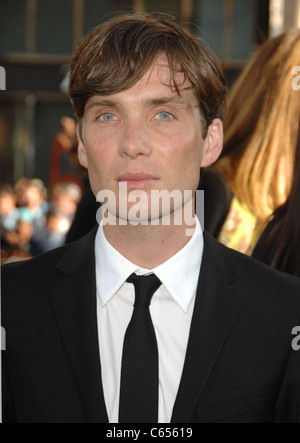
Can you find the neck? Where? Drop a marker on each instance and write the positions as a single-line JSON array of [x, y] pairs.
[[148, 246]]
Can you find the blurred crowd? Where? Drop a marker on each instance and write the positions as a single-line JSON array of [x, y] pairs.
[[33, 222]]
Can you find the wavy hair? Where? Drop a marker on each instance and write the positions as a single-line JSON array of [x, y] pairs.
[[261, 127], [280, 242]]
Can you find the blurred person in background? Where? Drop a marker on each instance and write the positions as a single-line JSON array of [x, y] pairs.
[[63, 205], [35, 204], [9, 214], [20, 189], [15, 232], [65, 148], [65, 198], [9, 217], [55, 224], [33, 212], [53, 235], [64, 155], [261, 130], [279, 245], [30, 225]]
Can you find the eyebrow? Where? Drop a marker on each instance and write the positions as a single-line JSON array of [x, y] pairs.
[[169, 100], [99, 102]]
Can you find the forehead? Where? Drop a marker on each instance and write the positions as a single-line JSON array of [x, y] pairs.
[[160, 73], [157, 82]]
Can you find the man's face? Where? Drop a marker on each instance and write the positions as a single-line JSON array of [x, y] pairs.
[[148, 136]]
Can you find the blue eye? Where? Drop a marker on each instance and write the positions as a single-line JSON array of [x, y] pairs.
[[164, 115], [107, 117]]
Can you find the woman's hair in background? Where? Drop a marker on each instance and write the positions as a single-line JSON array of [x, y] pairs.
[[281, 239], [119, 52], [261, 127]]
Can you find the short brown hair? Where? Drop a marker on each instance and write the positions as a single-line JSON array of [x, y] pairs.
[[116, 55]]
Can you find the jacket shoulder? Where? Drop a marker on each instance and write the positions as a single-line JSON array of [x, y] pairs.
[[264, 274], [32, 269], [43, 271], [257, 279]]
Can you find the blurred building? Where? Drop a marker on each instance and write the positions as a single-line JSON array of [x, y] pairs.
[[38, 36]]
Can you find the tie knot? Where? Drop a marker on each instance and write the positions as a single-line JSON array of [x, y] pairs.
[[145, 288]]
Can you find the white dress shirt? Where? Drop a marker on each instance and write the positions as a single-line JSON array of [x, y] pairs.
[[171, 312]]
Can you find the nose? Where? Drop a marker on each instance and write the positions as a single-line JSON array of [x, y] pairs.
[[135, 140]]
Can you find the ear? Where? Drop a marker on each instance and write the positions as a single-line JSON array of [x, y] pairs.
[[213, 144], [82, 157]]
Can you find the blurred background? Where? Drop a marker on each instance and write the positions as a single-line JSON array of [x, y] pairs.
[[37, 127]]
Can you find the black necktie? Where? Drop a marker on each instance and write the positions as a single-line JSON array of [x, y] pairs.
[[140, 368]]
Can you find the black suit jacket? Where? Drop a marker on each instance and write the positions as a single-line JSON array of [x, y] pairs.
[[240, 366]]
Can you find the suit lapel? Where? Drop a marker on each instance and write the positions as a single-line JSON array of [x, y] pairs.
[[73, 300], [216, 309]]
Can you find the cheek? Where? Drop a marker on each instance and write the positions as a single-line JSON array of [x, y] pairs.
[[185, 154], [99, 153], [101, 160]]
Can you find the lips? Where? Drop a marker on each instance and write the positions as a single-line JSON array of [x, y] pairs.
[[135, 177], [137, 180]]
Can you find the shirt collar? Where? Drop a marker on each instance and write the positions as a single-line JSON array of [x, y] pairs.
[[179, 275]]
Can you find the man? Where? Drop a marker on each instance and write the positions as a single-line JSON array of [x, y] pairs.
[[82, 343]]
